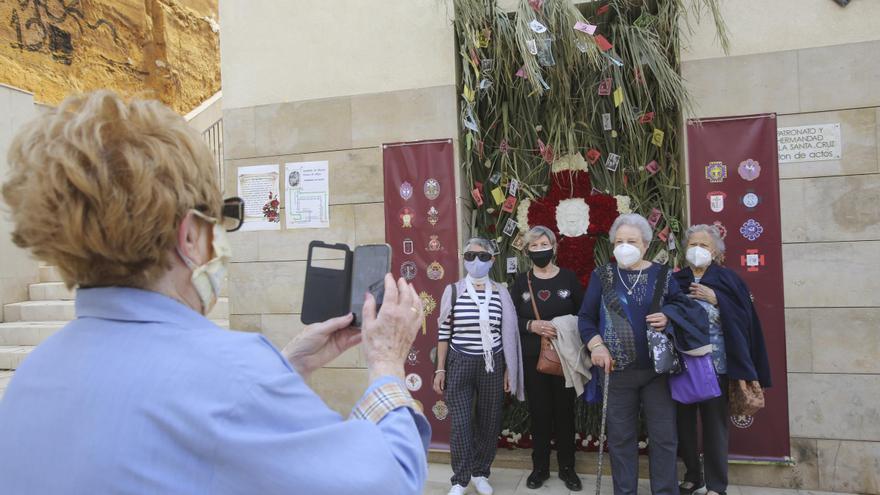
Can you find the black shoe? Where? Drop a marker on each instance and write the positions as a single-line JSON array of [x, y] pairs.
[[689, 487], [537, 479], [571, 479]]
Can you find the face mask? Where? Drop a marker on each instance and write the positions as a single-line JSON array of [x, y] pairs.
[[477, 268], [208, 278], [627, 255], [541, 258], [699, 257]]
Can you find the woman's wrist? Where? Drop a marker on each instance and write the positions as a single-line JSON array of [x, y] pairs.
[[596, 345], [439, 371], [380, 369]]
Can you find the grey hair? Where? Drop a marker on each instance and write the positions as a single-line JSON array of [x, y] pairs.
[[537, 232], [633, 220], [713, 232], [478, 241]]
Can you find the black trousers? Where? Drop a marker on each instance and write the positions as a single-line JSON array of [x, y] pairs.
[[474, 438], [551, 407], [713, 415]]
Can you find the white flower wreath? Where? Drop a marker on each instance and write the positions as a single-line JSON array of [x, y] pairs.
[[522, 215]]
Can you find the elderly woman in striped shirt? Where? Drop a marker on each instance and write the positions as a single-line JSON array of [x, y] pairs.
[[478, 360]]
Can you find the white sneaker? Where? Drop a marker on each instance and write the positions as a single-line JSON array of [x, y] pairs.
[[481, 483], [457, 490]]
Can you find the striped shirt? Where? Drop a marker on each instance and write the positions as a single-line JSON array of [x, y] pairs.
[[465, 337]]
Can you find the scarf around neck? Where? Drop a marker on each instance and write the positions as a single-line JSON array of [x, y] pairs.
[[485, 328]]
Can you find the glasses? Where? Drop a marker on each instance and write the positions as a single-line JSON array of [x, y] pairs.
[[231, 214], [482, 255]]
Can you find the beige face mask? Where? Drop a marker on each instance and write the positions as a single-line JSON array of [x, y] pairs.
[[207, 279]]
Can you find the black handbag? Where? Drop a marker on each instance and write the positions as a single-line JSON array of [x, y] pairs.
[[661, 348]]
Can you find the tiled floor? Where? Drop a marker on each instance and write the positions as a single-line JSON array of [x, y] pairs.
[[513, 481]]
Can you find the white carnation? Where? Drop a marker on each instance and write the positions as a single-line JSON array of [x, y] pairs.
[[522, 215], [572, 161], [623, 204], [573, 217]]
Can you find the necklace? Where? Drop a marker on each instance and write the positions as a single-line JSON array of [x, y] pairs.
[[629, 290]]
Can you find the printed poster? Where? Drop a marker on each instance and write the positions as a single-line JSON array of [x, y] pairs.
[[258, 187], [307, 193]]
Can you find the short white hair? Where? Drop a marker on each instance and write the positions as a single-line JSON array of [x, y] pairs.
[[713, 232], [633, 220], [478, 241], [537, 232]]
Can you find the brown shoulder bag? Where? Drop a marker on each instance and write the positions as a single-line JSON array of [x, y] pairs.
[[548, 361]]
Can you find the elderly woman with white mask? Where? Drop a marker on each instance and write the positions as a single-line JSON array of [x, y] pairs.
[[738, 353], [478, 360], [614, 322], [142, 393]]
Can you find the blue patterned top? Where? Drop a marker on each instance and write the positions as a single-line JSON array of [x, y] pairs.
[[716, 336]]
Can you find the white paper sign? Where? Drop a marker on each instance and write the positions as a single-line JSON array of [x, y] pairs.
[[307, 185], [258, 187], [809, 143]]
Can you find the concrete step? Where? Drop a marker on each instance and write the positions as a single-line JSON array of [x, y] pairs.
[[58, 310], [49, 274], [49, 291], [28, 332], [40, 311], [12, 355], [5, 378]]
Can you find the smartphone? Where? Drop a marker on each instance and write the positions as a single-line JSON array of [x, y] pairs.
[[371, 263]]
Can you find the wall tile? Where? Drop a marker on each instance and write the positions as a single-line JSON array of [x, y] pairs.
[[280, 329], [271, 287], [834, 406], [356, 176], [293, 244], [239, 133], [845, 340], [858, 135], [743, 85], [340, 388], [834, 274], [798, 340], [370, 223], [245, 323], [830, 209], [849, 466], [245, 246], [839, 76], [410, 115], [303, 127]]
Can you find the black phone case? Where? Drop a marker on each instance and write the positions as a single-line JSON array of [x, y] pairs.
[[327, 295]]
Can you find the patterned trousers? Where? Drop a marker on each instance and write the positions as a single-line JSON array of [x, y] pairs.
[[474, 438]]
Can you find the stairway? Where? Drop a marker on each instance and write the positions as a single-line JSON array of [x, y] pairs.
[[50, 307]]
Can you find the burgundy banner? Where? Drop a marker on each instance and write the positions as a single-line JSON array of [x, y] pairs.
[[734, 183], [422, 228]]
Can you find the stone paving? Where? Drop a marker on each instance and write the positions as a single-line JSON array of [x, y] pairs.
[[513, 481]]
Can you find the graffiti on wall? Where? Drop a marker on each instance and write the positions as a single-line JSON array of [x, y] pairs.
[[49, 26]]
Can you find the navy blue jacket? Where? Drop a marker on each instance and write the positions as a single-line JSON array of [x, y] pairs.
[[743, 337]]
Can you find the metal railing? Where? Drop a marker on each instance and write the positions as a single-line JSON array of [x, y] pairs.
[[214, 137]]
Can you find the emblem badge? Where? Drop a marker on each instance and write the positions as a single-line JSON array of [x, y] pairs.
[[742, 422], [435, 271], [722, 230], [751, 229], [433, 216], [434, 243], [407, 246], [440, 410], [408, 270], [563, 293], [406, 218], [412, 358], [429, 304], [750, 200], [716, 172], [413, 382], [753, 260], [716, 200], [406, 191], [432, 189], [749, 170], [544, 294]]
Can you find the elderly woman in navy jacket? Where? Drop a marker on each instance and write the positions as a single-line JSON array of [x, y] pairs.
[[738, 353]]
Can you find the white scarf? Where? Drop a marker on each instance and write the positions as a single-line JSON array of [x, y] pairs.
[[485, 328]]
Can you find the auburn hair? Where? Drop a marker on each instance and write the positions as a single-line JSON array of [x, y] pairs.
[[98, 187]]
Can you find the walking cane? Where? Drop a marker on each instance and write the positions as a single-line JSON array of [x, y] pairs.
[[602, 430]]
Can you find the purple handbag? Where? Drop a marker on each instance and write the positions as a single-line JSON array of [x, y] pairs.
[[696, 382]]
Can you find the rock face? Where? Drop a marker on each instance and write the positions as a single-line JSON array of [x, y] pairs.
[[164, 49]]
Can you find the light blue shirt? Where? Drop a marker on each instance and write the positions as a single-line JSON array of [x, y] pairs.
[[142, 395]]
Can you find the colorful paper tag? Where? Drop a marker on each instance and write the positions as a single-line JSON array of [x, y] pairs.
[[512, 264], [646, 118], [585, 27], [606, 121], [513, 187], [510, 227], [663, 235], [654, 217], [593, 155], [602, 43], [509, 204], [605, 86], [477, 194], [532, 45], [537, 27], [657, 138], [618, 96], [498, 195], [653, 167], [612, 162]]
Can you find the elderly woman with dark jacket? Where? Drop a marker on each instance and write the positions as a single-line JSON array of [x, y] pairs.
[[738, 353], [614, 321]]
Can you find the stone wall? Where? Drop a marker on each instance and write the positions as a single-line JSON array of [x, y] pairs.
[[165, 49], [831, 246], [17, 269]]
